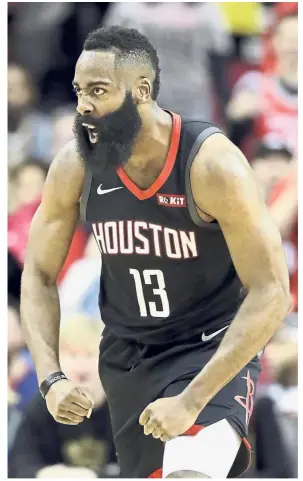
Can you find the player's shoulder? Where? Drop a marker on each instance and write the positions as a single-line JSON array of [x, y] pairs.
[[197, 124], [195, 120], [66, 175], [219, 161], [196, 130], [67, 165], [67, 160], [221, 179]]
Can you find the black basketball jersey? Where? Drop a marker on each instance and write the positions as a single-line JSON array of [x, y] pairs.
[[166, 274]]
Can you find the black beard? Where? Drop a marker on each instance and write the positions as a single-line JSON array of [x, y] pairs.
[[117, 132]]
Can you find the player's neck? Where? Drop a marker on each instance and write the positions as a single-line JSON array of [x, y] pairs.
[[153, 140]]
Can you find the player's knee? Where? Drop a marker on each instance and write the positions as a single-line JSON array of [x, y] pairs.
[[186, 474]]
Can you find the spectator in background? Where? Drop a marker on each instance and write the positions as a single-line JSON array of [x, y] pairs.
[[276, 172], [22, 377], [275, 419], [271, 162], [28, 179], [14, 334], [44, 448], [268, 102], [193, 45], [278, 10], [49, 45], [29, 132], [13, 417], [63, 124], [284, 208], [283, 202], [14, 271]]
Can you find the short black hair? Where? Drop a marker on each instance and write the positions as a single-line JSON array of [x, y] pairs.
[[128, 44]]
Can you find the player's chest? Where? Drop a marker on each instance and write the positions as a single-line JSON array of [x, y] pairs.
[[115, 200], [125, 221]]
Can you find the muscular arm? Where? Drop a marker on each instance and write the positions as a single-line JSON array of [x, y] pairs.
[[50, 236], [224, 188]]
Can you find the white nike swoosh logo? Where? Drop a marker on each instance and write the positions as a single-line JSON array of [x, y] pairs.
[[101, 191], [208, 338]]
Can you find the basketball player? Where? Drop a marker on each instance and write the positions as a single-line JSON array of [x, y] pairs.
[[194, 280]]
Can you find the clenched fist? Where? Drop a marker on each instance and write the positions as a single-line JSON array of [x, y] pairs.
[[168, 417], [68, 403]]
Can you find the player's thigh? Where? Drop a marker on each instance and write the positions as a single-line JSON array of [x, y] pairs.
[[210, 453], [233, 404], [128, 391], [139, 456]]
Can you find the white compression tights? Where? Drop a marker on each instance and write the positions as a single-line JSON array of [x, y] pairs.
[[208, 454]]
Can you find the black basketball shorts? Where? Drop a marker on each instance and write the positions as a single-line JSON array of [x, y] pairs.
[[134, 375]]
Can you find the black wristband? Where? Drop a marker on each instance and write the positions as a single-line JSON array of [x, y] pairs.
[[49, 381]]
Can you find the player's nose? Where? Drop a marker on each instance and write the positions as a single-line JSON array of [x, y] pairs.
[[84, 107]]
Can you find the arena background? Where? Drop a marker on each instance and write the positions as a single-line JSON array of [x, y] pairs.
[[232, 63]]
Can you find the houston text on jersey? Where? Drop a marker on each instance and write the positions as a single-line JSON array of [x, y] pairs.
[[144, 238]]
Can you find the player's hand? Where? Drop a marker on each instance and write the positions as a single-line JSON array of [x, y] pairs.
[[167, 418], [68, 403]]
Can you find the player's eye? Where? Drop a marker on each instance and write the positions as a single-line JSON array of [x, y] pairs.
[[98, 91]]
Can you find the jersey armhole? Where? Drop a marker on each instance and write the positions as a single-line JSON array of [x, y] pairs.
[[85, 194], [191, 205]]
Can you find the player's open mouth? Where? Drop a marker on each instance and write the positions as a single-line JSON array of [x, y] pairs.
[[93, 136]]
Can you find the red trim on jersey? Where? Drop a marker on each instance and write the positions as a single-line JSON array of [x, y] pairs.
[[156, 474], [192, 432], [168, 166]]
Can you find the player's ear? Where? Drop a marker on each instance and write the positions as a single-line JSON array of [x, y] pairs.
[[142, 90]]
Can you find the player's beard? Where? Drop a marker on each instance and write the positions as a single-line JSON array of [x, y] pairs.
[[117, 132]]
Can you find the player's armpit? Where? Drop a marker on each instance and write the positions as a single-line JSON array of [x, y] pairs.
[[224, 188], [50, 236]]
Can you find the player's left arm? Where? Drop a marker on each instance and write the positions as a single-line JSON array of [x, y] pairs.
[[223, 187]]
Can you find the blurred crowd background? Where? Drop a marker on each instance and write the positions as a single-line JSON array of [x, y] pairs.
[[232, 63]]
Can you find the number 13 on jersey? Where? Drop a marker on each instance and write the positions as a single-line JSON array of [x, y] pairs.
[[150, 308]]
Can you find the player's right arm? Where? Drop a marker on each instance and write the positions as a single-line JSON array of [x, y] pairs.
[[49, 240]]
